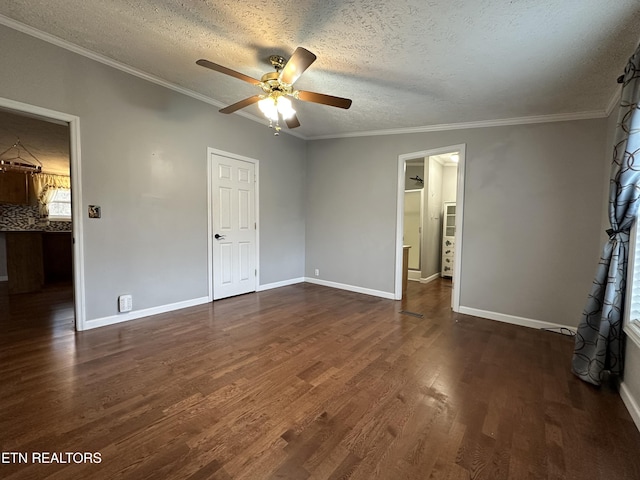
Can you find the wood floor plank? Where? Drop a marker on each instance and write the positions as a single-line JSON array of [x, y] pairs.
[[303, 382]]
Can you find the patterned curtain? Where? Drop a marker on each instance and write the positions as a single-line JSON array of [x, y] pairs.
[[599, 343], [44, 186]]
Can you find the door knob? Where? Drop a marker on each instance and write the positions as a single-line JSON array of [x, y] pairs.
[[218, 236]]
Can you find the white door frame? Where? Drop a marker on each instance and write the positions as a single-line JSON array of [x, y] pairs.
[[76, 196], [256, 163], [457, 270]]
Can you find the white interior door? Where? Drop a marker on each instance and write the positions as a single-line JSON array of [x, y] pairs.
[[234, 227]]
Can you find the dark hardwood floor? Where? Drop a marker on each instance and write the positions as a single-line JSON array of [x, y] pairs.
[[301, 382]]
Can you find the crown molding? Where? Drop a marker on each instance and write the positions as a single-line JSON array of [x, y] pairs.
[[614, 101], [72, 47], [21, 27], [562, 117]]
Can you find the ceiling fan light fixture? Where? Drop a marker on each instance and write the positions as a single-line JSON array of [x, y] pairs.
[[285, 107], [272, 106], [268, 107]]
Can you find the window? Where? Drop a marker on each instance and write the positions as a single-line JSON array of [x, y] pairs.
[[60, 205], [632, 301]]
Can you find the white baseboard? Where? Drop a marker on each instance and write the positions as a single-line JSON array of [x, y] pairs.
[[512, 319], [433, 277], [125, 317], [631, 404], [414, 275], [351, 288], [4, 278], [284, 283]]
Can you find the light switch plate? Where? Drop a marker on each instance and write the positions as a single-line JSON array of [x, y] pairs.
[[94, 211]]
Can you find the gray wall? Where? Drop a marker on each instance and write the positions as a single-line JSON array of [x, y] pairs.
[[531, 238], [144, 162], [530, 194], [432, 239], [350, 228]]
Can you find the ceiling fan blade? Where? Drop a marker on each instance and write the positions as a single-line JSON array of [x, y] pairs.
[[292, 122], [324, 99], [227, 71], [297, 64], [241, 104]]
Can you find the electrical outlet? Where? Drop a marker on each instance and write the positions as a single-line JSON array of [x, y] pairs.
[[125, 303], [317, 272]]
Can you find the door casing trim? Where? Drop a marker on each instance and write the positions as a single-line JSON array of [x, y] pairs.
[[73, 121], [457, 271], [213, 151]]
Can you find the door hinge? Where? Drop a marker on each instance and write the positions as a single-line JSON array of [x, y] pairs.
[[255, 272]]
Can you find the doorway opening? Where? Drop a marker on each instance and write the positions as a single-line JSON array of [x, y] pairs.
[[429, 218], [41, 265]]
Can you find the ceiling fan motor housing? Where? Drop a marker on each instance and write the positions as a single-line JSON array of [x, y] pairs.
[[270, 83], [278, 62]]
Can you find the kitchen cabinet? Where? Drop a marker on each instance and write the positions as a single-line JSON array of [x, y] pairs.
[[24, 262], [14, 188], [57, 253], [35, 259]]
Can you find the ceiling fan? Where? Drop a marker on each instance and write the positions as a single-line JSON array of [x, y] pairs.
[[277, 86]]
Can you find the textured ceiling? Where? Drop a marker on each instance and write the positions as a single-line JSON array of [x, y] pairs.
[[405, 63]]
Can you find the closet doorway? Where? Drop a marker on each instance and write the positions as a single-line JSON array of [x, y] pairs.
[[429, 220]]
